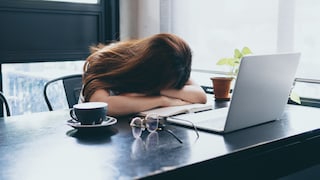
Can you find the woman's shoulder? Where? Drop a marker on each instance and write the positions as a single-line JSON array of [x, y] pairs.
[[99, 92]]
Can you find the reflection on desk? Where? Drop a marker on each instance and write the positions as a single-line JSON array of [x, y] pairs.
[[43, 146]]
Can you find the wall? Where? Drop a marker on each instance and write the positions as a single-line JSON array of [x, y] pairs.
[[139, 18]]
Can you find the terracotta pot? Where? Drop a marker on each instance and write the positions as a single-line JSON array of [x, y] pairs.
[[221, 88]]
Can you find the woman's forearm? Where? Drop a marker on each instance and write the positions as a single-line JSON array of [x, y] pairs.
[[123, 105], [130, 104], [189, 93]]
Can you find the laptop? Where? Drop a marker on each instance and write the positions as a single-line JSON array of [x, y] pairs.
[[260, 94]]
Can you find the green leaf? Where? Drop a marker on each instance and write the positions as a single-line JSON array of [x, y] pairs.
[[295, 97], [246, 50], [233, 62], [236, 62], [236, 71], [222, 61], [227, 61], [237, 54]]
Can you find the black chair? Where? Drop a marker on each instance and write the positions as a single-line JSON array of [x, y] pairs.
[[5, 102], [72, 87]]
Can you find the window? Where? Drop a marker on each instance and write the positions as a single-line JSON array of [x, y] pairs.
[[215, 28], [23, 83], [44, 40], [306, 36]]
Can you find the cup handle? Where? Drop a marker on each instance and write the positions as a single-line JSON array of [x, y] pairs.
[[72, 115]]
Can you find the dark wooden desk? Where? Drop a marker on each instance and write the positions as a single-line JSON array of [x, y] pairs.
[[42, 146]]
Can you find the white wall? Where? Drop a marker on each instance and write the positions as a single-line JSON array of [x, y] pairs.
[[139, 18]]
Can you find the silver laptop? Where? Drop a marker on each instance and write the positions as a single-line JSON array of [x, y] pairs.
[[260, 94]]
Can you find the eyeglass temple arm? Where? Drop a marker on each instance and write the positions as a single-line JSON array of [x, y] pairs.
[[170, 132], [194, 127]]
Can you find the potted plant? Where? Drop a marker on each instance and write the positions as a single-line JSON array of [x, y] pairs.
[[222, 85]]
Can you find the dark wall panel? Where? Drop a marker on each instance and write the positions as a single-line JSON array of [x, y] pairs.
[[47, 31], [25, 33], [36, 31]]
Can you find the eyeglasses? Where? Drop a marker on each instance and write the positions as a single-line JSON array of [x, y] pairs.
[[151, 123]]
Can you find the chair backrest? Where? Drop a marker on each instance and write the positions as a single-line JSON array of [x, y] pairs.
[[72, 87], [4, 101]]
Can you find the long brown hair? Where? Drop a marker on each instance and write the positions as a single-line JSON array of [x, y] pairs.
[[139, 66]]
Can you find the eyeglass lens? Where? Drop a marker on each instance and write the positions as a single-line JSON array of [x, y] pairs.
[[137, 127], [152, 122]]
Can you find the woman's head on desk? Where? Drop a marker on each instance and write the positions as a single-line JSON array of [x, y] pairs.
[[146, 66]]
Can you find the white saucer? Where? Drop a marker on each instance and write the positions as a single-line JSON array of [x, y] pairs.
[[77, 125]]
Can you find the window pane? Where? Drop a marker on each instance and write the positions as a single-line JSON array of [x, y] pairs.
[[215, 28], [307, 39], [23, 84]]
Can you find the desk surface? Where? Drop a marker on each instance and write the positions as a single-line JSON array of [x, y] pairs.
[[43, 146]]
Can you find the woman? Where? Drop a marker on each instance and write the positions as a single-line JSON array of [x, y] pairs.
[[137, 75]]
